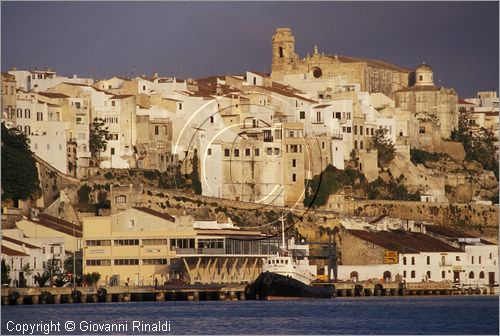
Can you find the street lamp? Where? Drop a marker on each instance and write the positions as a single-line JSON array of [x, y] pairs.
[[74, 257]]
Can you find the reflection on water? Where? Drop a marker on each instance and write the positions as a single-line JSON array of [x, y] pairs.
[[369, 315]]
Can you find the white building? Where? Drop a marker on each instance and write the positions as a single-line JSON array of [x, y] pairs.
[[41, 80]]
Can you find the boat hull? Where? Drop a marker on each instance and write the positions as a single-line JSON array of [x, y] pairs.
[[273, 286]]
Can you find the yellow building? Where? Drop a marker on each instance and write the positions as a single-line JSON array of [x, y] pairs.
[[141, 246]]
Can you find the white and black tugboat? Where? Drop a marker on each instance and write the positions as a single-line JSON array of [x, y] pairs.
[[285, 276]]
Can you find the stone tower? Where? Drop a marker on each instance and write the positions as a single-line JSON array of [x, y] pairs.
[[283, 52], [423, 75]]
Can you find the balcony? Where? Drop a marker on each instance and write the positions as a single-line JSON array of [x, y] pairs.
[[202, 251]]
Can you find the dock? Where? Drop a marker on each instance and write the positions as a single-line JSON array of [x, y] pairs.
[[67, 295]]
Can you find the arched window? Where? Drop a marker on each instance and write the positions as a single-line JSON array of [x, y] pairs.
[[481, 275], [121, 199], [471, 275], [387, 276], [428, 274], [354, 275]]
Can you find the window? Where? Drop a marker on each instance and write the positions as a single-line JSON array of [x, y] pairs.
[[302, 115], [112, 151], [154, 261], [257, 152], [404, 274], [360, 130], [19, 112], [121, 199], [277, 134], [318, 116], [472, 259], [294, 163], [27, 130], [97, 242], [161, 144], [294, 177], [420, 77], [181, 243], [481, 275], [348, 129], [413, 274], [247, 151], [355, 129], [98, 262], [268, 136], [404, 260], [60, 146], [269, 151], [126, 242], [209, 151], [226, 152], [144, 88], [337, 115], [276, 151], [180, 106], [236, 152], [157, 130], [491, 255], [413, 260], [361, 144], [428, 260], [479, 260], [126, 262], [294, 149], [471, 275], [421, 130], [355, 144], [428, 274], [443, 274], [113, 103], [322, 145], [39, 116], [157, 241]]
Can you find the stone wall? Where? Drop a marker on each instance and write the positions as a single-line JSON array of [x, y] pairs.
[[474, 218]]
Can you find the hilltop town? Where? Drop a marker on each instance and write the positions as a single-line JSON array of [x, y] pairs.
[[152, 179]]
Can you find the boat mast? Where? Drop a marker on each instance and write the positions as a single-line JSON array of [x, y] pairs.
[[283, 232]]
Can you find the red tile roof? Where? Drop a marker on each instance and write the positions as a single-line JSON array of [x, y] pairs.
[[11, 252], [121, 96], [404, 242], [463, 102], [18, 242], [321, 106], [53, 95], [58, 224], [370, 62], [158, 214], [420, 88]]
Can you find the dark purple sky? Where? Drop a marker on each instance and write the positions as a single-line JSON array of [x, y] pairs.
[[194, 39]]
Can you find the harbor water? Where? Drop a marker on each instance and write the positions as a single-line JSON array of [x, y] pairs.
[[367, 315]]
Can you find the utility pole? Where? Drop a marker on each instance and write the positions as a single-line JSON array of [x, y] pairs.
[[74, 257]]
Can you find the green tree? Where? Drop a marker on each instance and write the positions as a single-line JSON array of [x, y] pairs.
[[68, 267], [195, 174], [5, 272], [19, 171], [98, 138], [92, 278], [384, 145], [479, 144]]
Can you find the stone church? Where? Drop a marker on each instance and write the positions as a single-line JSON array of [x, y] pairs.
[[372, 75]]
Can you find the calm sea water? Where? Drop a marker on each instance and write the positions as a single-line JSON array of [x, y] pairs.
[[368, 315]]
